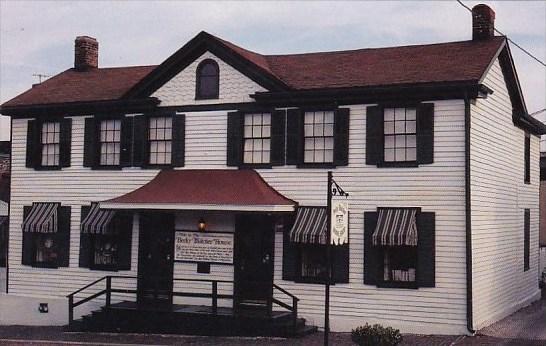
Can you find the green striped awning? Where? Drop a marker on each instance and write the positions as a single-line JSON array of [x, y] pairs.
[[310, 226], [396, 227]]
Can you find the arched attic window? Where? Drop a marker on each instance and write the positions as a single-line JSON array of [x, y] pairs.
[[208, 80]]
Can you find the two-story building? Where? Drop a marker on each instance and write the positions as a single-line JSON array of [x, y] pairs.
[[205, 177]]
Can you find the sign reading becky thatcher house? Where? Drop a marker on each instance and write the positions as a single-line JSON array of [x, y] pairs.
[[434, 143]]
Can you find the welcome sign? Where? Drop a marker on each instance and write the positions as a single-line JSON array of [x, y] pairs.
[[203, 247], [339, 223]]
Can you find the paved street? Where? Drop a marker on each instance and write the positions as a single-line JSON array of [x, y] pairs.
[[525, 327]]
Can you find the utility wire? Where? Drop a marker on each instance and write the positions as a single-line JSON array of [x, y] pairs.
[[509, 39], [538, 112]]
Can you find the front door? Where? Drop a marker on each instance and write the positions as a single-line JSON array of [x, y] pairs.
[[254, 235], [155, 264]]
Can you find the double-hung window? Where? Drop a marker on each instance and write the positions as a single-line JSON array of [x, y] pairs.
[[50, 143], [110, 137], [160, 140], [400, 131], [257, 138], [318, 137]]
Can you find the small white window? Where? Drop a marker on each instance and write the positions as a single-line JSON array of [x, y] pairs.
[[160, 140], [50, 140], [400, 131], [257, 138], [319, 137], [110, 134]]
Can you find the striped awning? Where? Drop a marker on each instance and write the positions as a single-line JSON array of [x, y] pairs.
[[310, 226], [42, 218], [396, 227], [3, 220], [98, 220]]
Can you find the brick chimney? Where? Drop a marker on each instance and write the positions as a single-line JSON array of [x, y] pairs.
[[483, 22], [86, 53]]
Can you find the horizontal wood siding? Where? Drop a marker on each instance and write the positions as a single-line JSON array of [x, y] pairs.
[[180, 90], [438, 188], [499, 197]]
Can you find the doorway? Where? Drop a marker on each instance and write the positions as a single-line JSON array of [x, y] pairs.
[[254, 250], [155, 263]]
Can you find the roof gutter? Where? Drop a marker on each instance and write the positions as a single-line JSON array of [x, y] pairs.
[[81, 108], [371, 94], [468, 219]]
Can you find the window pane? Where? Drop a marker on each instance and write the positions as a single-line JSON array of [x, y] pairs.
[[308, 157], [411, 114], [399, 114], [266, 144], [208, 86], [410, 127], [309, 144], [266, 131], [319, 156], [411, 141], [266, 156], [389, 114], [329, 143], [257, 157], [309, 117], [308, 130], [400, 141], [389, 155], [257, 144], [266, 120], [319, 143], [389, 127], [329, 129], [400, 127], [318, 130], [248, 144], [400, 154], [329, 117], [389, 142], [256, 131], [248, 157], [411, 154], [329, 156]]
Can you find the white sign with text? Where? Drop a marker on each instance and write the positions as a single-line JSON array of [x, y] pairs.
[[203, 247]]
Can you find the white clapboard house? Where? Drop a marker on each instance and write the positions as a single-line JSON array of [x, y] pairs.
[[194, 192]]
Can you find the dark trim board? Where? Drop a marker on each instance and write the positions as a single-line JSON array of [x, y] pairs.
[[468, 220]]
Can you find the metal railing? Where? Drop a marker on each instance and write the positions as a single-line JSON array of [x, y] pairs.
[[108, 289]]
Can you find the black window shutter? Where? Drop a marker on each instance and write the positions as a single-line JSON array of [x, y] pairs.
[[126, 141], [426, 250], [63, 236], [33, 144], [289, 257], [425, 133], [294, 137], [140, 141], [527, 158], [90, 147], [28, 246], [372, 255], [65, 137], [125, 241], [234, 138], [179, 136], [341, 137], [340, 269], [526, 238], [278, 124], [374, 135], [85, 241]]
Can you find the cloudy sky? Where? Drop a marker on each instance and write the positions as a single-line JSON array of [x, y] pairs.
[[38, 36]]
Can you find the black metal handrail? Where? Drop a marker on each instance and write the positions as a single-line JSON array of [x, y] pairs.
[[108, 290], [293, 308]]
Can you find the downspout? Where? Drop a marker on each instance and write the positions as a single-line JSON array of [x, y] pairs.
[[468, 219]]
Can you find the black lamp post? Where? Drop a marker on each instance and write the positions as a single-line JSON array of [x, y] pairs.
[[333, 190]]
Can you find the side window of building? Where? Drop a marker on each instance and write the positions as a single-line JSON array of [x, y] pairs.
[[105, 240], [304, 249], [152, 140], [527, 159], [46, 235], [256, 139], [49, 143], [207, 79], [400, 136], [399, 248], [526, 239]]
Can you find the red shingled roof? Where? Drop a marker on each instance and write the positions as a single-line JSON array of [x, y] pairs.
[[80, 86], [192, 187], [444, 62]]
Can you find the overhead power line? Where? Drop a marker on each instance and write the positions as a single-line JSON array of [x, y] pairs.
[[509, 39]]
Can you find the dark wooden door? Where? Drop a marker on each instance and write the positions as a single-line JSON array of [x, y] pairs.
[[254, 240], [155, 264]]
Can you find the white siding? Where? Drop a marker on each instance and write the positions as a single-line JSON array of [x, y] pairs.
[[437, 188], [180, 90], [499, 197]]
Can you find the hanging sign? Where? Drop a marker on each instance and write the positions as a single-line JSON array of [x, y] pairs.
[[339, 223], [203, 247]]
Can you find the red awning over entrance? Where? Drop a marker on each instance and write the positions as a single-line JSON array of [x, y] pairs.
[[204, 189]]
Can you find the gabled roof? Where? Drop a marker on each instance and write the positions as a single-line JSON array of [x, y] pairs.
[[204, 189], [464, 61]]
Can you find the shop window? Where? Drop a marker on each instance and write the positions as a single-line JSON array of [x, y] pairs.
[[313, 264]]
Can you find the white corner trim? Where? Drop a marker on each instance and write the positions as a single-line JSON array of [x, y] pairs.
[[181, 206]]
